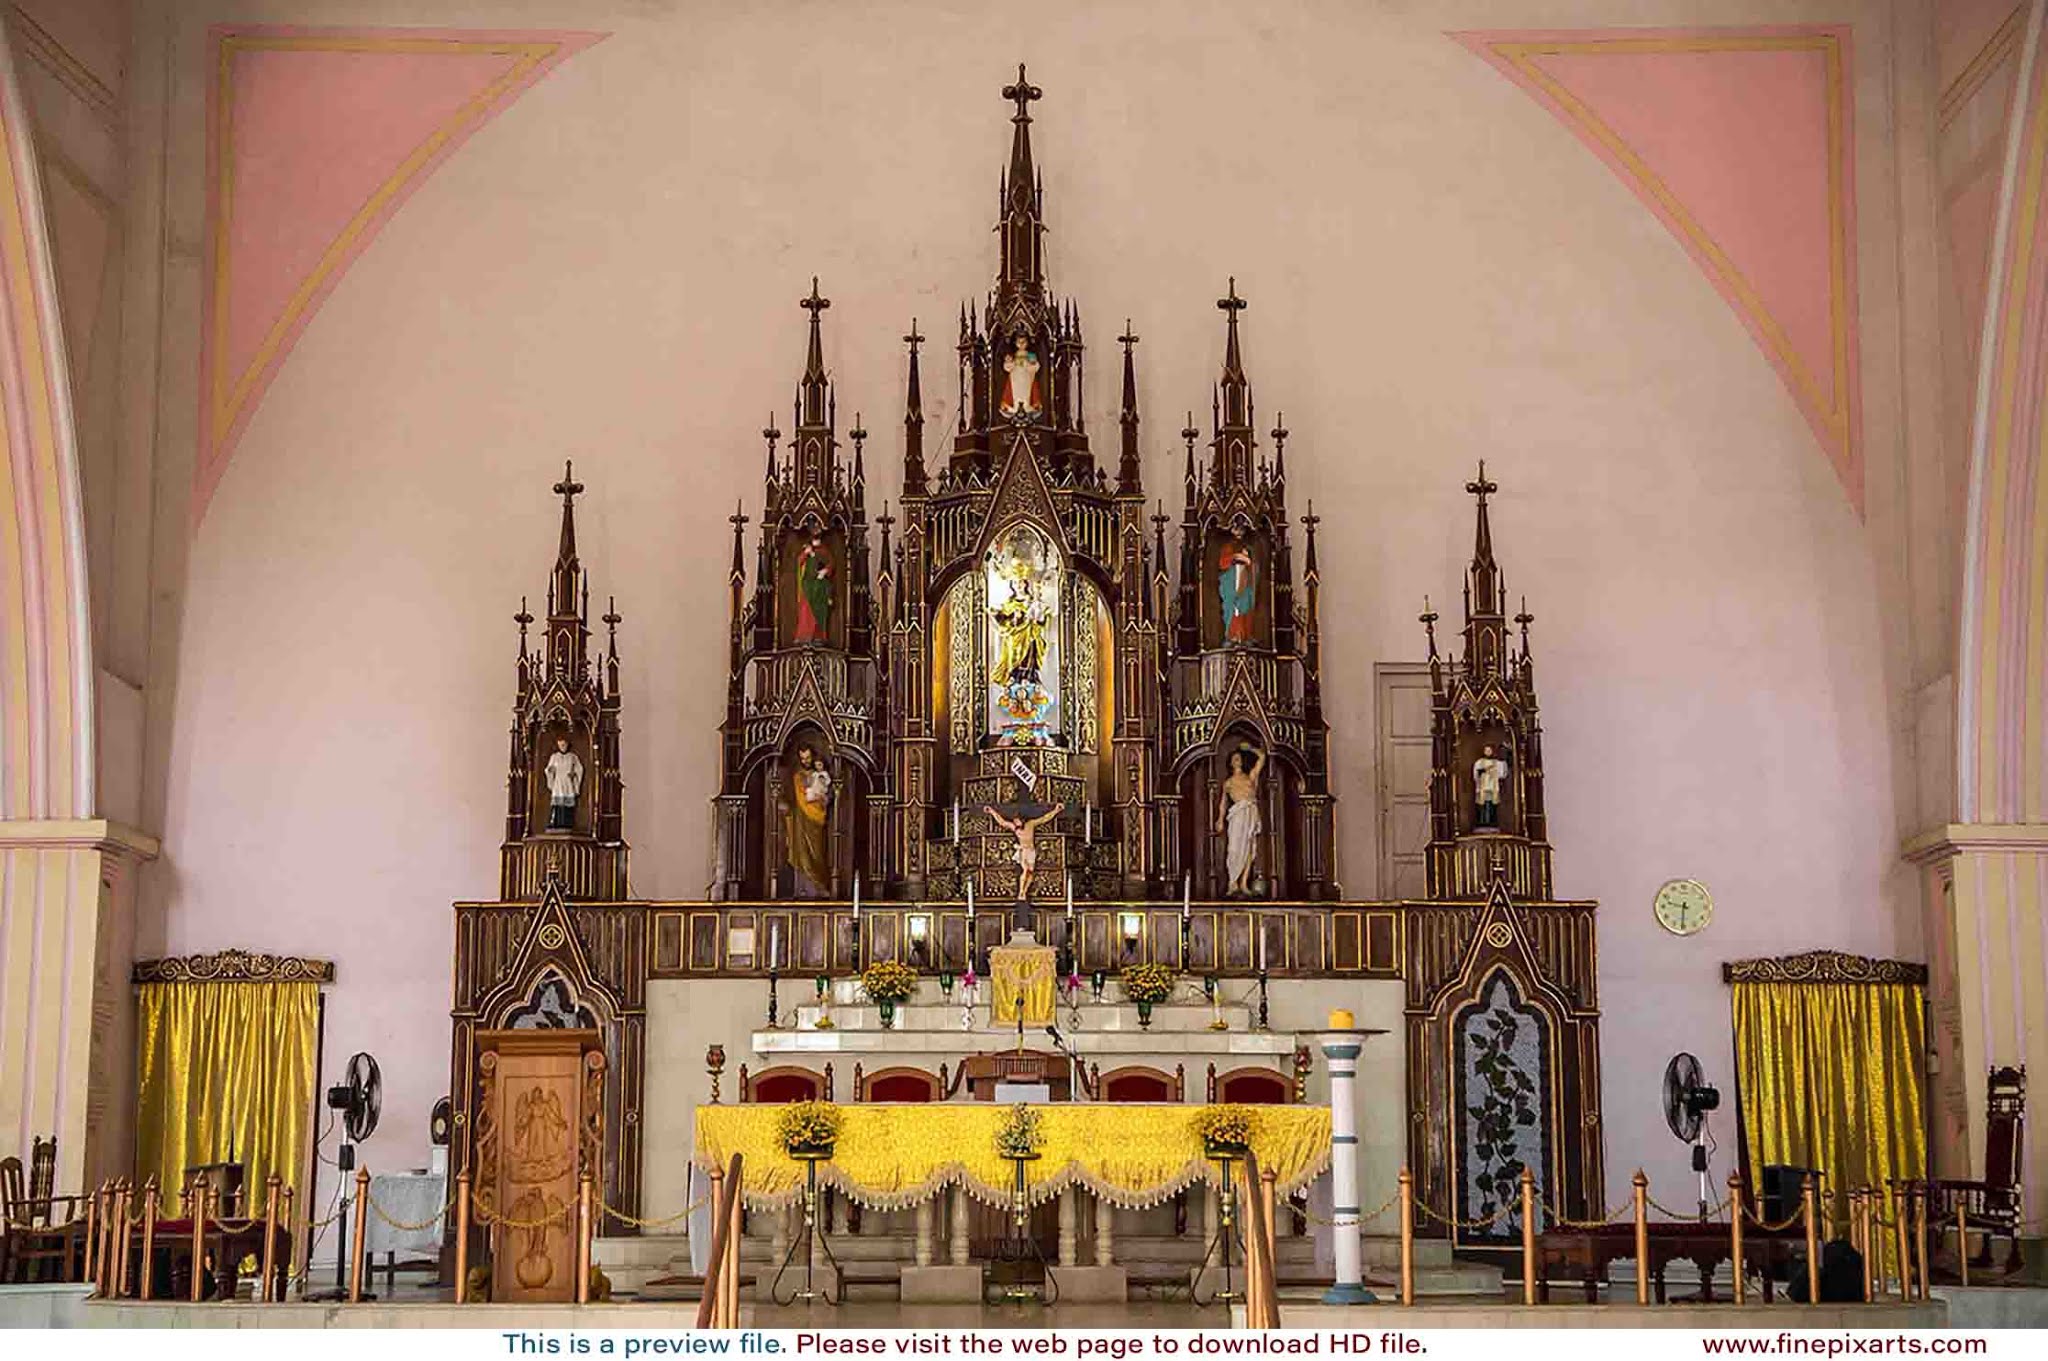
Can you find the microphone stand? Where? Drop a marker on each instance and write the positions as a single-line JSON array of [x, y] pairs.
[[1059, 1042]]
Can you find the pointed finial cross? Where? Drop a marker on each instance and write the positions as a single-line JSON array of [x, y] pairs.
[[1021, 94], [1311, 520], [523, 618], [771, 434], [857, 434], [1128, 338], [1232, 304], [611, 620], [1280, 430], [815, 304], [568, 488], [1189, 432], [1482, 488], [913, 340], [738, 519]]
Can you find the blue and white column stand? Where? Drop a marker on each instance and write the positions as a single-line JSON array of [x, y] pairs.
[[1341, 1048]]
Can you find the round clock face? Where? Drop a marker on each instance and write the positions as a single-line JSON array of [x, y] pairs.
[[1684, 906]]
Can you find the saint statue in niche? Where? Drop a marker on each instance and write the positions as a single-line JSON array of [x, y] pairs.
[[1026, 851], [1237, 817], [564, 774], [1021, 396], [1487, 773], [814, 593], [1237, 583], [810, 799]]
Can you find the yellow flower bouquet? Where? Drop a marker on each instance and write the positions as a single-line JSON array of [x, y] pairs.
[[808, 1129], [1147, 985], [1021, 1133], [1224, 1129], [887, 983]]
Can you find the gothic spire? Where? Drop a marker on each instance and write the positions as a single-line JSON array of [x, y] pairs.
[[1129, 475], [1485, 574], [1236, 388], [812, 390], [562, 589], [913, 423], [1022, 196]]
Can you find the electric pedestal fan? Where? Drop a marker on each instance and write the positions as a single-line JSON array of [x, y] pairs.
[[1688, 1097], [358, 1099]]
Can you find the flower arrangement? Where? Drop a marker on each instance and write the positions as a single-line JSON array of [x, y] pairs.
[[1021, 1134], [808, 1127], [1224, 1128], [885, 980], [1148, 984]]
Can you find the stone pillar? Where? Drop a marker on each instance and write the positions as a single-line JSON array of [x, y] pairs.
[[921, 1217], [1341, 1048], [1105, 1233], [1068, 1256], [958, 1232]]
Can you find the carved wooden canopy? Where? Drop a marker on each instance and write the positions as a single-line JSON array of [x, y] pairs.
[[234, 966], [1824, 966]]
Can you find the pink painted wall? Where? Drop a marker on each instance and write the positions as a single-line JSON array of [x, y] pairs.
[[1438, 271]]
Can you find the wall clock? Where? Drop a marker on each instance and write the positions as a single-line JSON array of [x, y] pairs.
[[1684, 907]]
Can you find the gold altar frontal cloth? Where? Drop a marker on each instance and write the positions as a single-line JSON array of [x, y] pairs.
[[1022, 976], [890, 1157]]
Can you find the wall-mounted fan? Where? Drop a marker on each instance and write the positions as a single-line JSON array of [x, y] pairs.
[[1688, 1098]]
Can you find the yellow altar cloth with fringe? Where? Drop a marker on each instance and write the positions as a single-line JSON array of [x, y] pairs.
[[893, 1156], [1022, 975]]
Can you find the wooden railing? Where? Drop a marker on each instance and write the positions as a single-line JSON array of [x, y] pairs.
[[720, 1306], [1262, 1282]]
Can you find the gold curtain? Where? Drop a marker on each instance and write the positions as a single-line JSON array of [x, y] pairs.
[[1830, 1077], [224, 1068]]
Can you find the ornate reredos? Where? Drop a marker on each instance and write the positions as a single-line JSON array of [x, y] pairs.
[[234, 966]]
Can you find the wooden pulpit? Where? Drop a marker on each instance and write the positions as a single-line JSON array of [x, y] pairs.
[[539, 1127]]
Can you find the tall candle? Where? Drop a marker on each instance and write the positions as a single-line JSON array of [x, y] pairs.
[[1070, 897], [856, 895], [956, 819], [970, 901], [1187, 895], [774, 944], [1262, 944]]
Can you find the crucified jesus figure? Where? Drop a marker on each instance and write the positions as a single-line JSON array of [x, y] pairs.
[[1026, 832]]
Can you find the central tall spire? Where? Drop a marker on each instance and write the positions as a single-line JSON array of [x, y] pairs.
[[1023, 195]]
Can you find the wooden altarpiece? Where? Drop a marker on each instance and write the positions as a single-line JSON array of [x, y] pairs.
[[1022, 644], [538, 1128]]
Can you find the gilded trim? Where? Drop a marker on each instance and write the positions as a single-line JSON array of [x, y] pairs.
[[2004, 43], [234, 966], [66, 69], [1824, 966]]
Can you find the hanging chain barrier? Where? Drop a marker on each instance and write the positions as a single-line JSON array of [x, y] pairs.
[[1312, 1217], [1693, 1216], [638, 1223], [404, 1227], [1773, 1226], [486, 1215], [1614, 1216], [1453, 1223]]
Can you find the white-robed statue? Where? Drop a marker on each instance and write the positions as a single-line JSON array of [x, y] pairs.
[[564, 775], [1488, 772], [1237, 817]]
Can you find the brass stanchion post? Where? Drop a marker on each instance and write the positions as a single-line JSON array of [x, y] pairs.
[[95, 1218], [1641, 1184], [361, 1210], [271, 1188], [1809, 1196], [1528, 1235], [462, 1237], [1407, 1236], [124, 1192], [291, 1238], [199, 1191], [1918, 1193], [583, 1232], [1735, 1213], [151, 1195], [1859, 1237], [1898, 1209]]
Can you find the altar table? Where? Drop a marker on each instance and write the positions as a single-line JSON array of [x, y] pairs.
[[895, 1156]]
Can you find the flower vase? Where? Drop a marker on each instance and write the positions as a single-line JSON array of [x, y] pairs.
[[887, 1007], [1144, 1015]]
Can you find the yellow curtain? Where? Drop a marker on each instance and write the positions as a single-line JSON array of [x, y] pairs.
[[1830, 1077], [224, 1068]]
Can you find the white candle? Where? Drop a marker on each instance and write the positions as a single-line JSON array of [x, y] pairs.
[[1070, 897], [1187, 895], [1087, 824], [970, 902], [856, 895], [774, 943], [1262, 945], [956, 819]]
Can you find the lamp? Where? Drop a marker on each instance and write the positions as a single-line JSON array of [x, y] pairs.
[[919, 925]]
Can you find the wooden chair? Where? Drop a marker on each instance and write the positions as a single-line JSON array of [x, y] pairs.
[[1992, 1202], [781, 1085], [897, 1084], [42, 1242], [1135, 1082], [1250, 1087]]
